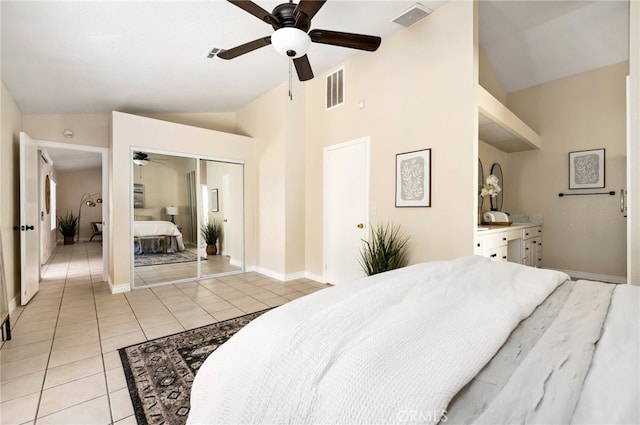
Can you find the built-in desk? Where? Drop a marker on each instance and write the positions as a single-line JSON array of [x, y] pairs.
[[519, 243]]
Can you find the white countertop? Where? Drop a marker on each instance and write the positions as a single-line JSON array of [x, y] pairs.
[[497, 229]]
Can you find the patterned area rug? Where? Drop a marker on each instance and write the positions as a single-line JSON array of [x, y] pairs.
[[160, 372], [157, 259]]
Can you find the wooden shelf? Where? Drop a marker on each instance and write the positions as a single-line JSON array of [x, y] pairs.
[[500, 127]]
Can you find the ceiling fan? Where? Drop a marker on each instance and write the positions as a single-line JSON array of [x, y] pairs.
[[141, 158], [292, 37]]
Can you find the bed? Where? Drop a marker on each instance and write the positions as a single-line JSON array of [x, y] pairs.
[[463, 341], [152, 236]]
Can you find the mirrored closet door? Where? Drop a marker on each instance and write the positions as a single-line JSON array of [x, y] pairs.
[[177, 202], [222, 213]]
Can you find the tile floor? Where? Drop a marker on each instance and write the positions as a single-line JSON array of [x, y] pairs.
[[62, 365], [214, 264]]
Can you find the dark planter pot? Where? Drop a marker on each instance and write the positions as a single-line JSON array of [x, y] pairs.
[[212, 250], [68, 240]]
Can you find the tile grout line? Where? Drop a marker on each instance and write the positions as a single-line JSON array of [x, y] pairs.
[[104, 366], [53, 337]]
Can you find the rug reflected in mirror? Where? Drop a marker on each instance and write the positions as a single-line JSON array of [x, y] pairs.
[[160, 372], [156, 259]]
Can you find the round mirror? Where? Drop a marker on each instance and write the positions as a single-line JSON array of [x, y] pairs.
[[496, 201], [480, 183]]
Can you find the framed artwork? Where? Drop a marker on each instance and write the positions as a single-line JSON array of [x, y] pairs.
[[47, 194], [413, 179], [214, 200], [138, 195], [586, 169]]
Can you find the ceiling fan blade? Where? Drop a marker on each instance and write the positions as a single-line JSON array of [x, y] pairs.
[[303, 68], [234, 52], [369, 43], [252, 8], [309, 8]]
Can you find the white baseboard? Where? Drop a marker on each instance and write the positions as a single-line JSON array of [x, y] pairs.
[[269, 273], [314, 277], [13, 304], [118, 289], [283, 277], [594, 276]]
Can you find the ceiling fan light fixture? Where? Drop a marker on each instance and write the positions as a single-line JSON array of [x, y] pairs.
[[141, 162], [291, 42]]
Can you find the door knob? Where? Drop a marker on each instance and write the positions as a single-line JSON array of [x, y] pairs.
[[225, 220], [360, 226]]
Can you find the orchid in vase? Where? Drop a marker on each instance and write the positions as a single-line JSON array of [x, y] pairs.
[[491, 187]]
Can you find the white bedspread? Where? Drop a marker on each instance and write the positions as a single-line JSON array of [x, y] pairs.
[[611, 393], [143, 229], [546, 386], [392, 348]]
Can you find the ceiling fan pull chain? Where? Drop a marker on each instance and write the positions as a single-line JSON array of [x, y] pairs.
[[290, 80]]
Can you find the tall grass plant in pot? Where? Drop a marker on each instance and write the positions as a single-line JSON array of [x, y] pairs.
[[67, 226], [385, 250], [210, 233]]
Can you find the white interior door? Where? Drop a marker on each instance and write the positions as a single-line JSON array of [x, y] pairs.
[[346, 209], [29, 219]]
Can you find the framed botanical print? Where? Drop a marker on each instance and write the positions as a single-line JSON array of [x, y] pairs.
[[413, 179], [586, 169]]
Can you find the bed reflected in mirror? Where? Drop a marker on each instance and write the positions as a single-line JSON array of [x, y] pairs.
[[164, 246], [171, 195]]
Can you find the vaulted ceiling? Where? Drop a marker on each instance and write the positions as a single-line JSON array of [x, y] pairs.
[[69, 57]]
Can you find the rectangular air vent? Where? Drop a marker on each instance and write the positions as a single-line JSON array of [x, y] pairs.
[[335, 89], [412, 15], [214, 52]]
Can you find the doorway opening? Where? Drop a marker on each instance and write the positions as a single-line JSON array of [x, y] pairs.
[[64, 180]]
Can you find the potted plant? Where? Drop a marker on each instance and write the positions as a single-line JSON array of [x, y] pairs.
[[67, 225], [385, 250], [210, 233]]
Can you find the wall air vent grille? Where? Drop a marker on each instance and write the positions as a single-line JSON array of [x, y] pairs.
[[335, 89]]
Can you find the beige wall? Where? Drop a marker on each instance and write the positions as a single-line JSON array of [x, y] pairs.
[[71, 186], [413, 101], [219, 121], [10, 126], [586, 111], [277, 124], [265, 121], [90, 130], [130, 130]]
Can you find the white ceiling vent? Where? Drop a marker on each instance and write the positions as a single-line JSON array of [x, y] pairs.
[[335, 89], [214, 52], [412, 15]]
